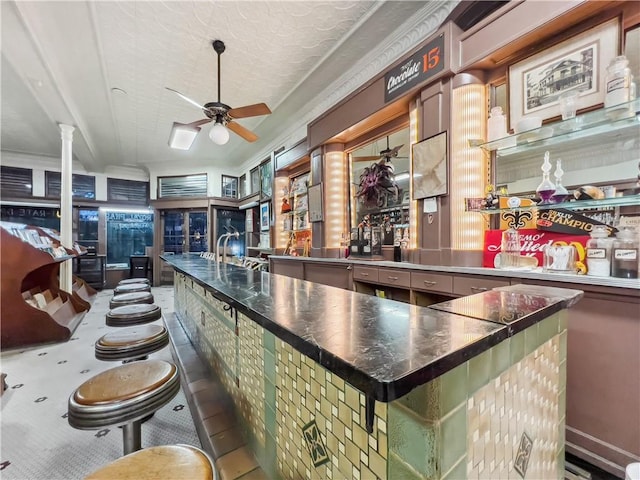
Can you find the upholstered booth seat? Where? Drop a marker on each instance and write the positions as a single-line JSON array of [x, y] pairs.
[[130, 299], [136, 314], [128, 281], [175, 462], [124, 395], [132, 287], [133, 343]]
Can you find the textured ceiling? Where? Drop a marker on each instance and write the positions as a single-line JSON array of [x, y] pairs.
[[103, 67]]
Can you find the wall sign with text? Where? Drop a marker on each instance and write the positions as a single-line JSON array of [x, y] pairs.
[[421, 66]]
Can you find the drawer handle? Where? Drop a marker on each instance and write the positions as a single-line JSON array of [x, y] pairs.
[[364, 274], [349, 267], [479, 289], [392, 278], [429, 283]]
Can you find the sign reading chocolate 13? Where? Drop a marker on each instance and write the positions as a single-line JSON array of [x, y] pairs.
[[421, 66]]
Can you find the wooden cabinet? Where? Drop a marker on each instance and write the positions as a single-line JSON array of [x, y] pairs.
[[431, 282], [472, 284], [365, 274], [290, 269], [334, 275], [34, 309]]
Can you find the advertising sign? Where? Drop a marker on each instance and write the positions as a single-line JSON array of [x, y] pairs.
[[421, 66]]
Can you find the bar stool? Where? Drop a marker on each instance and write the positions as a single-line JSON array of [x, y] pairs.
[[124, 395], [134, 343], [128, 281], [132, 287], [136, 314], [130, 299], [177, 462]]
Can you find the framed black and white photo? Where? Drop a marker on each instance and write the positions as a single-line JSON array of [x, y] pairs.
[[576, 64], [429, 159]]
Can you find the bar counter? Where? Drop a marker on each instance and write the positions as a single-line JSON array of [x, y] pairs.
[[341, 384]]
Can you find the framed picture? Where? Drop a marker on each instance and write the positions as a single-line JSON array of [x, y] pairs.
[[315, 203], [576, 64], [266, 179], [429, 158], [264, 216]]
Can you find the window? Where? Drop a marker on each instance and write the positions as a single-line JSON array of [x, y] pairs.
[[255, 180], [229, 186], [88, 228], [16, 182], [183, 186], [131, 191], [48, 217], [127, 234], [82, 186], [243, 186]]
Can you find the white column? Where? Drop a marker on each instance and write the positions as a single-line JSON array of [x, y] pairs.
[[66, 209]]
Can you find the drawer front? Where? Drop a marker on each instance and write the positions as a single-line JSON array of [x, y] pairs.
[[365, 274], [400, 278], [470, 285], [431, 282]]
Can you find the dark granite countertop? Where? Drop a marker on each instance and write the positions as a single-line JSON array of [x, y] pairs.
[[382, 347]]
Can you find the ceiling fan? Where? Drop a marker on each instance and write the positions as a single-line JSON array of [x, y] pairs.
[[387, 154], [221, 114]]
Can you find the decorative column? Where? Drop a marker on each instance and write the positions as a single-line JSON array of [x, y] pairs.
[[469, 170], [66, 212]]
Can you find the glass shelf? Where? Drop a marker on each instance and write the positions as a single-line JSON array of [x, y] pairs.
[[620, 121], [627, 201]]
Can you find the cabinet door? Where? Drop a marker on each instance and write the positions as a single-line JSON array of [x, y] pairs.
[[398, 278], [365, 274], [332, 275], [293, 268], [470, 285], [431, 282]]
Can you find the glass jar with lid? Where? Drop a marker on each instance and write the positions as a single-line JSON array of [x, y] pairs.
[[599, 248], [496, 125], [625, 254], [617, 82]]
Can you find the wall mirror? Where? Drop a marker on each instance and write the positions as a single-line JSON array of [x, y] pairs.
[[380, 185]]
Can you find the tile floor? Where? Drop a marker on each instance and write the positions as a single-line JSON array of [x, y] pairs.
[[36, 439]]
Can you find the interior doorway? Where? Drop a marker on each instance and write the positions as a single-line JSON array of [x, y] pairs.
[[182, 231]]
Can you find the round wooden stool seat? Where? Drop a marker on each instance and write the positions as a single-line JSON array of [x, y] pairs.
[[132, 287], [177, 462], [123, 395], [131, 343], [136, 314], [130, 299], [128, 281]]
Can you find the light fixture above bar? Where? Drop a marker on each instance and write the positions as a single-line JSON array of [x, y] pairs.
[[182, 136]]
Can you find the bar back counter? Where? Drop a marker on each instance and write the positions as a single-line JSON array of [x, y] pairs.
[[331, 383]]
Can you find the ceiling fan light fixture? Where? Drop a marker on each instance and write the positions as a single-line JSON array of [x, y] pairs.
[[219, 134], [182, 136]]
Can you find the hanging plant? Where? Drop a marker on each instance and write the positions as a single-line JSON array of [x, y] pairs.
[[376, 184]]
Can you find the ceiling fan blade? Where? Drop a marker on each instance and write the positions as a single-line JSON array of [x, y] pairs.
[[366, 159], [245, 133], [197, 123], [250, 111], [192, 102]]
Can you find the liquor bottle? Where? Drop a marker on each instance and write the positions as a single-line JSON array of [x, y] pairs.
[[560, 194], [546, 188]]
